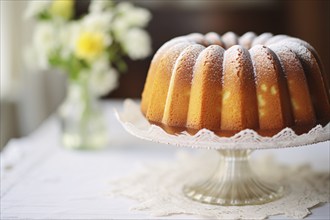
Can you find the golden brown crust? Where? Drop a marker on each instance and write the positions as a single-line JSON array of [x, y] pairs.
[[180, 87], [205, 107], [161, 81], [301, 103], [266, 83], [239, 104], [271, 92], [146, 95]]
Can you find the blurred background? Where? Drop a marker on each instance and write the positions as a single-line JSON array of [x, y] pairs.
[[29, 97]]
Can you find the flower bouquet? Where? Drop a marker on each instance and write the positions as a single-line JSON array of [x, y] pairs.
[[88, 48]]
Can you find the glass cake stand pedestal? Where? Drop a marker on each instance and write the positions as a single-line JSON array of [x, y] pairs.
[[233, 181]]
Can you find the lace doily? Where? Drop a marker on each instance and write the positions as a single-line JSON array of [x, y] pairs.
[[136, 124], [158, 189]]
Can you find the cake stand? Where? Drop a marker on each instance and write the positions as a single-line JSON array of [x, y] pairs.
[[233, 181]]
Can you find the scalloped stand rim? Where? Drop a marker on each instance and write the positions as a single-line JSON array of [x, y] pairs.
[[233, 182], [135, 123]]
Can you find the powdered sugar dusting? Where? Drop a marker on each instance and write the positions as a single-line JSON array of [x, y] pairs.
[[168, 60], [213, 58], [263, 58], [163, 49], [186, 61], [276, 39], [304, 43], [302, 52], [247, 39], [234, 52], [230, 39], [239, 56], [286, 55], [261, 39], [188, 58], [288, 48], [198, 38], [214, 38], [214, 52]]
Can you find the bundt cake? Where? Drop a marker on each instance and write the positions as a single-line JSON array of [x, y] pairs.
[[229, 83]]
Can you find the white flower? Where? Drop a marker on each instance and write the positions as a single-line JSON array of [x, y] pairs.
[[34, 8], [45, 37], [103, 78], [119, 27], [92, 30], [136, 43], [45, 42], [98, 22], [65, 34], [97, 6], [127, 17], [92, 23], [104, 82], [74, 30], [134, 16]]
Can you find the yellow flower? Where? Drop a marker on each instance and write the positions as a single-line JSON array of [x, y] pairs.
[[62, 8], [90, 45]]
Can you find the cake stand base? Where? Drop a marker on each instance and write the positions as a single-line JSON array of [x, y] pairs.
[[234, 183]]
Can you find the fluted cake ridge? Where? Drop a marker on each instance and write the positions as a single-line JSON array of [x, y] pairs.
[[229, 83]]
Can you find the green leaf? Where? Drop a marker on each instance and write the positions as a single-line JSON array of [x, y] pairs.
[[121, 66], [44, 16]]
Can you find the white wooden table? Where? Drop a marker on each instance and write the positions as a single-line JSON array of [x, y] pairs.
[[41, 180]]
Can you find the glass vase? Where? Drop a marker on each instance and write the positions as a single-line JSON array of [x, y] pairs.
[[82, 121]]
